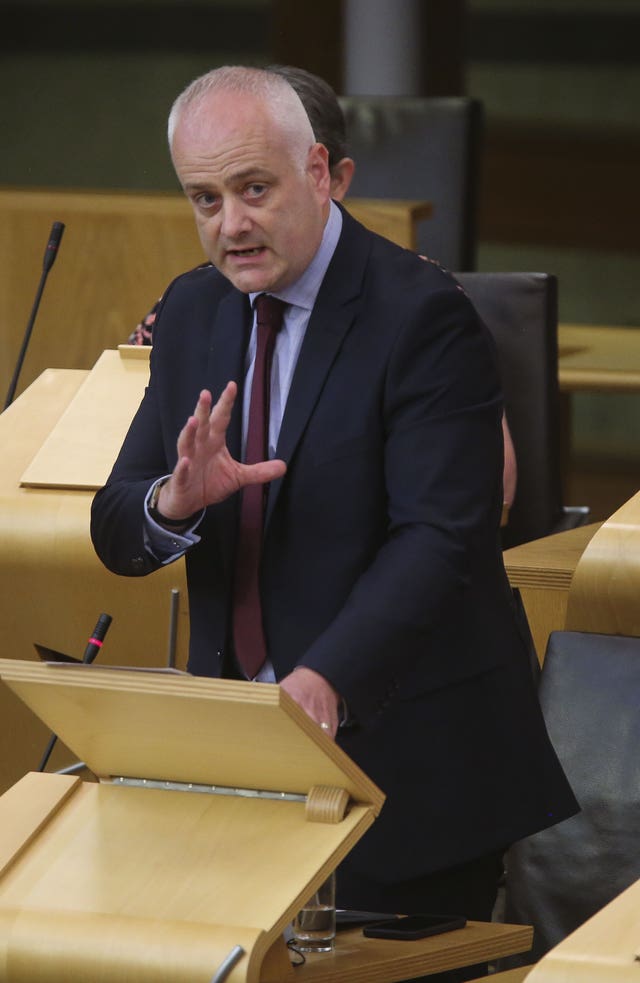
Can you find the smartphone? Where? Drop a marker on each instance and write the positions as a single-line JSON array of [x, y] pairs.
[[413, 926], [350, 918]]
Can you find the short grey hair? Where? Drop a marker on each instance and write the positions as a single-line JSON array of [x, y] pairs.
[[282, 100]]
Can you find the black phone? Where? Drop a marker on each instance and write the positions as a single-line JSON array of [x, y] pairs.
[[350, 918], [413, 926]]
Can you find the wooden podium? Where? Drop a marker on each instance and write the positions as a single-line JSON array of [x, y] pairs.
[[220, 807], [59, 440]]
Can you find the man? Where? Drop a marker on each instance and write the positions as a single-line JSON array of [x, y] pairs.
[[386, 611], [329, 128]]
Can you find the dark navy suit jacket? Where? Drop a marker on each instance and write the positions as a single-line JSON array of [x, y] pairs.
[[382, 567]]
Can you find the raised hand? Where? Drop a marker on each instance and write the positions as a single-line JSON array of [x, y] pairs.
[[206, 472]]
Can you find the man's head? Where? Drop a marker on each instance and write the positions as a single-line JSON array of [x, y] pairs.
[[327, 122], [245, 153]]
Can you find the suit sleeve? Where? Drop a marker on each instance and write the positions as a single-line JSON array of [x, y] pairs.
[[117, 511]]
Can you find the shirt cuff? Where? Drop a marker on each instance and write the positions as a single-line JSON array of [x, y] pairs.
[[166, 545]]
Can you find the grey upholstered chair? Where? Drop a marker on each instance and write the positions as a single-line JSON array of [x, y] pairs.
[[590, 696], [521, 312], [422, 149]]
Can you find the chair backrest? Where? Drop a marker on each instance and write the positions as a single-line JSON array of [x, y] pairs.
[[521, 312], [424, 149], [590, 697]]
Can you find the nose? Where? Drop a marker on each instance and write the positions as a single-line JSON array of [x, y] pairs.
[[235, 220]]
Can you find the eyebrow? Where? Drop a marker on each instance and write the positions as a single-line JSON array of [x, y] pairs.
[[249, 173]]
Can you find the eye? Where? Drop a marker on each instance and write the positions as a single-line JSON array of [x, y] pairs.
[[255, 191], [206, 202]]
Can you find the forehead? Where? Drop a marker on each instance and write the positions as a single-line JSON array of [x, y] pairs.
[[231, 129]]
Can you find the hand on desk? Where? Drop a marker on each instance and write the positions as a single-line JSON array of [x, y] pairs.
[[206, 473], [315, 695]]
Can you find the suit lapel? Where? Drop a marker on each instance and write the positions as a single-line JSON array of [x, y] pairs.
[[227, 349], [334, 312]]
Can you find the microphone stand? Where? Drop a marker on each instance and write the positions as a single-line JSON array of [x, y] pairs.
[[94, 645], [50, 254]]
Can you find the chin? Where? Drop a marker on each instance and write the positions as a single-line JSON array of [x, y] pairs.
[[253, 282]]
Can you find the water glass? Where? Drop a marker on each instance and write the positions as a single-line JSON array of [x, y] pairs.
[[314, 927]]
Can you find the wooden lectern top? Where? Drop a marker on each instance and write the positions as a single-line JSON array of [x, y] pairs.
[[221, 807], [169, 726]]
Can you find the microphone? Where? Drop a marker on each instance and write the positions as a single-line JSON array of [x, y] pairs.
[[94, 644], [50, 254], [51, 251], [96, 638]]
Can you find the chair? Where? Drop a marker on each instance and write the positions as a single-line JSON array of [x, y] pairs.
[[590, 696], [521, 312], [423, 149]]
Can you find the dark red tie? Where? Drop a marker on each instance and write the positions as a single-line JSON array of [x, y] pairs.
[[248, 632]]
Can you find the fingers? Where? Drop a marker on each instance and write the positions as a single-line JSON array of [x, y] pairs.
[[208, 423], [315, 695], [206, 473], [220, 415], [261, 473]]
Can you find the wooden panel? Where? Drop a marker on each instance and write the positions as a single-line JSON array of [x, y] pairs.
[[606, 584], [395, 219], [385, 961], [82, 447], [181, 728], [52, 585], [543, 571], [309, 35], [38, 797], [560, 185], [603, 950], [597, 358], [118, 253]]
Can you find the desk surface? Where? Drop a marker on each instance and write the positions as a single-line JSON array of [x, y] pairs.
[[598, 358], [548, 562], [385, 961]]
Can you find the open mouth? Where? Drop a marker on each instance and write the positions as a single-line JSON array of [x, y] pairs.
[[255, 251]]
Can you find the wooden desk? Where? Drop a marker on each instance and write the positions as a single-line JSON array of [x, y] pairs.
[[598, 359], [543, 571], [52, 585], [605, 949], [385, 961], [395, 219], [604, 590]]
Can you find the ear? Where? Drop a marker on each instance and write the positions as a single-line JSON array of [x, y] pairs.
[[341, 175], [318, 169]]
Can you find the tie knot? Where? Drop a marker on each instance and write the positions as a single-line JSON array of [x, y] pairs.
[[269, 312]]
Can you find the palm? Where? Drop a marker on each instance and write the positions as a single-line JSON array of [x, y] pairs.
[[206, 473]]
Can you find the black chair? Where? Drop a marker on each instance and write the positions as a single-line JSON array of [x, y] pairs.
[[521, 312], [590, 696], [423, 149]]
